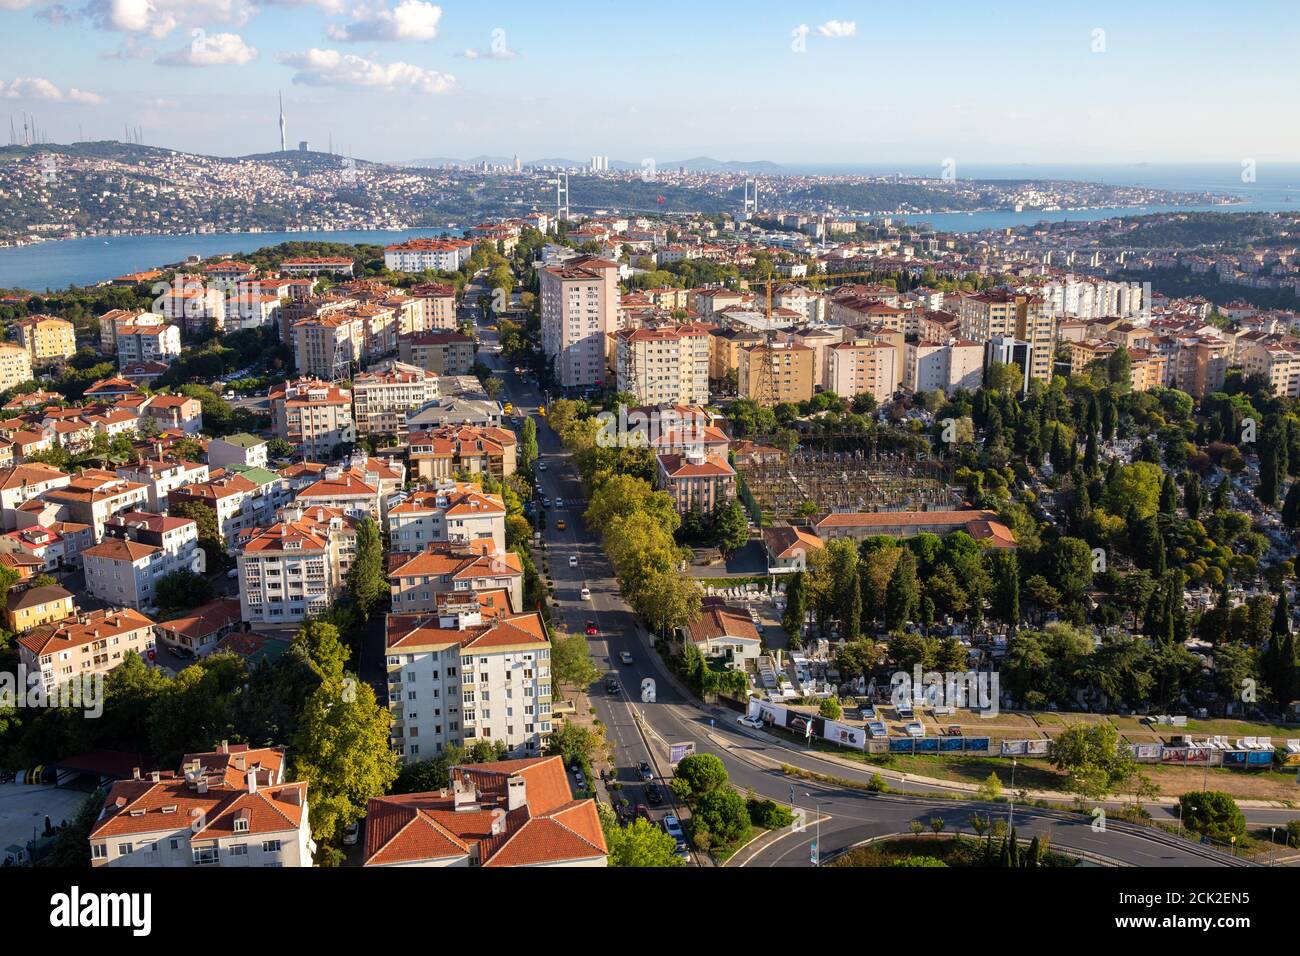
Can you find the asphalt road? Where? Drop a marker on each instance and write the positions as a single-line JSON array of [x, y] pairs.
[[753, 760]]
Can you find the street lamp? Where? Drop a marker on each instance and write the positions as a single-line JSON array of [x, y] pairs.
[[817, 808], [1180, 816], [1011, 817]]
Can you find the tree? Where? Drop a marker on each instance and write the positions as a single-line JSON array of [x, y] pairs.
[[830, 708], [341, 749], [571, 661], [796, 608], [527, 445], [1291, 506], [639, 844], [731, 527], [1092, 760], [696, 775], [323, 649], [278, 448], [180, 591], [1212, 813], [578, 746], [991, 788], [722, 815], [903, 595], [366, 579], [855, 658]]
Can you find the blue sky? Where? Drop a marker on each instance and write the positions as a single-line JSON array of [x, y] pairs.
[[834, 82]]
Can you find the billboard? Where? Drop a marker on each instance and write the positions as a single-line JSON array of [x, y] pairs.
[[977, 745], [1013, 748], [1038, 748], [804, 725], [901, 745], [844, 735], [679, 752]]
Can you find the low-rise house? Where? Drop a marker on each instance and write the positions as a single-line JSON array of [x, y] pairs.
[[95, 496], [788, 548], [229, 808], [21, 483], [458, 512], [161, 477], [983, 526], [696, 480], [440, 453], [498, 814], [200, 631], [727, 635], [241, 449], [416, 580]]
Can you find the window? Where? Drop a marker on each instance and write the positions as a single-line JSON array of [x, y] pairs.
[[99, 851], [270, 846], [239, 849], [205, 856], [125, 849]]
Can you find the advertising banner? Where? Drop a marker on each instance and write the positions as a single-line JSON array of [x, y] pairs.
[[844, 735], [927, 745], [977, 745], [1038, 748], [900, 745], [1013, 748], [951, 744]]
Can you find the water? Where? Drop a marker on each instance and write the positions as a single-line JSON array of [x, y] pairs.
[[58, 264], [55, 265]]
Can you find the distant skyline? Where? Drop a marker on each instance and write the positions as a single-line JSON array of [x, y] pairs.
[[798, 84]]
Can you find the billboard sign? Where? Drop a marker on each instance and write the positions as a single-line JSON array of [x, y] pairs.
[[679, 752]]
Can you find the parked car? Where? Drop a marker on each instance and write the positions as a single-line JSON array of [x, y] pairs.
[[232, 573], [625, 657], [592, 629], [654, 794], [546, 501], [673, 827], [350, 833], [573, 560], [541, 466], [642, 811], [750, 722], [647, 774], [585, 592]]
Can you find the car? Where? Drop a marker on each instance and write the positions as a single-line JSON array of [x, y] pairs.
[[592, 629], [625, 657], [232, 573], [573, 560], [546, 501], [350, 833], [611, 687], [559, 502], [585, 593], [673, 827], [560, 526], [647, 774], [541, 466], [655, 794], [750, 722], [642, 811]]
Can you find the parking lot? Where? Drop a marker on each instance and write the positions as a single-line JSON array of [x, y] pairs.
[[23, 810]]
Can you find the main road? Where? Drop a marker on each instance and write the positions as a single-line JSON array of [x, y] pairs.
[[835, 817]]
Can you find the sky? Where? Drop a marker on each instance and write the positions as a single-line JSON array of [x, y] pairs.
[[793, 82]]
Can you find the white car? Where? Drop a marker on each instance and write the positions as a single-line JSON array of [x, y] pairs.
[[573, 560], [541, 466], [586, 594], [559, 502], [750, 722], [350, 833]]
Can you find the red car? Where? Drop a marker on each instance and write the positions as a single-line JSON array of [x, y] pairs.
[[592, 630], [642, 811]]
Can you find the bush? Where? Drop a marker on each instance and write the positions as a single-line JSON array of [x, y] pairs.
[[1212, 813], [768, 814], [830, 708]]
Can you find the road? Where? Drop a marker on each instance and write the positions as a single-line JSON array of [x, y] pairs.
[[753, 759]]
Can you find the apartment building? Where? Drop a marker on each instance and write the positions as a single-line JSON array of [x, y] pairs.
[[229, 808], [241, 449], [666, 365], [95, 496], [950, 367], [137, 344], [1278, 362], [173, 411], [437, 454], [537, 822], [329, 346], [195, 307], [724, 349], [15, 365], [462, 675], [458, 512], [161, 476], [696, 480], [417, 580], [809, 304], [1200, 364], [776, 373], [420, 255], [381, 398], [998, 313], [313, 415], [238, 501], [48, 340], [29, 608], [55, 545], [111, 322], [93, 642], [344, 491], [437, 303], [438, 352], [862, 368], [296, 567], [138, 551], [579, 302]]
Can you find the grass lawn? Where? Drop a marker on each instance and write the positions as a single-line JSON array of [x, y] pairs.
[[1241, 728]]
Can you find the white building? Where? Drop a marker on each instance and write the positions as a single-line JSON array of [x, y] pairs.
[[579, 310], [141, 549], [453, 512]]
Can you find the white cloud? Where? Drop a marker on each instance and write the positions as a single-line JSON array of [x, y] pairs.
[[217, 49], [39, 88], [15, 4], [158, 18], [409, 20], [131, 48], [838, 29], [332, 68], [331, 7]]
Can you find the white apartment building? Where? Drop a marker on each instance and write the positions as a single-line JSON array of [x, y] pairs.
[[667, 365], [141, 549], [238, 502], [242, 449], [579, 310], [453, 512], [230, 808], [160, 478], [381, 398], [951, 366], [147, 343], [461, 676], [95, 496], [295, 568], [418, 255], [21, 483], [812, 305]]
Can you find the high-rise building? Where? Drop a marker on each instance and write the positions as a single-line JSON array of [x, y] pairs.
[[776, 373], [579, 310], [664, 365], [998, 312]]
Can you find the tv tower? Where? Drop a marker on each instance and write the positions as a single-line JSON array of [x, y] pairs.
[[282, 139]]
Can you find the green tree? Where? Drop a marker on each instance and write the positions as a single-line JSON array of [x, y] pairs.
[[639, 844], [1212, 813], [697, 775], [208, 530], [527, 445], [367, 581], [180, 591], [903, 595], [1092, 760], [341, 749], [731, 527], [722, 815], [571, 661], [830, 708]]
